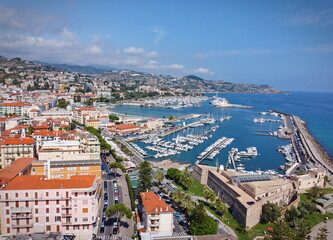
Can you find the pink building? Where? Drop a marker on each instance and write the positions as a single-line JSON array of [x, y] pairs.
[[35, 204]]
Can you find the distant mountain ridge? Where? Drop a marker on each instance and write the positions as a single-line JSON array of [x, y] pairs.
[[79, 69]]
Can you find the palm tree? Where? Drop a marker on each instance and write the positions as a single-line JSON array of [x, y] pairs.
[[159, 176], [120, 210], [114, 166], [220, 206], [208, 195], [178, 196], [187, 202]]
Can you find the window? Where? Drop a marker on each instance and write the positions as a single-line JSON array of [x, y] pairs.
[[36, 195], [26, 194], [36, 219], [48, 228], [84, 168], [84, 202], [58, 210], [8, 221], [8, 230], [26, 204], [47, 194], [6, 196], [47, 219], [36, 210], [47, 202], [36, 202], [75, 194], [7, 204], [57, 201], [85, 219], [57, 194], [16, 195], [17, 204], [71, 168], [57, 218], [75, 219], [47, 210], [84, 210]]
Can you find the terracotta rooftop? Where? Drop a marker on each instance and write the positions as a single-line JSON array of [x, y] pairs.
[[153, 204], [15, 104], [124, 126], [13, 170], [12, 141], [47, 133], [41, 182]]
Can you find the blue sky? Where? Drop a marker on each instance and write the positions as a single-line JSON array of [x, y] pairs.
[[286, 44]]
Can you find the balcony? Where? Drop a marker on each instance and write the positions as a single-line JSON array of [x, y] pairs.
[[156, 217], [66, 214], [21, 210], [155, 224], [22, 226], [67, 223], [66, 206], [21, 216]]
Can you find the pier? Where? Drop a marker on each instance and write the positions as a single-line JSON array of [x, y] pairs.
[[305, 146]]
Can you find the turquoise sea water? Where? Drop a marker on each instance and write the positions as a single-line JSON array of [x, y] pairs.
[[315, 108]]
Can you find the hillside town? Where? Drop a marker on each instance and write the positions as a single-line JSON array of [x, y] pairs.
[[70, 168]]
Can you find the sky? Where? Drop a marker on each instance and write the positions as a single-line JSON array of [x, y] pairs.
[[286, 44]]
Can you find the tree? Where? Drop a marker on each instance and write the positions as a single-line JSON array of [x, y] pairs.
[[201, 223], [208, 194], [315, 192], [72, 126], [270, 213], [187, 203], [113, 118], [322, 234], [178, 196], [281, 231], [292, 214], [145, 176], [115, 165], [220, 206], [62, 103], [174, 173], [302, 229], [159, 176], [120, 210]]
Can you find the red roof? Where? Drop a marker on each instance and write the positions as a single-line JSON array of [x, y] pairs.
[[14, 141], [124, 126], [153, 203], [92, 120], [47, 133], [28, 182], [10, 172], [15, 104]]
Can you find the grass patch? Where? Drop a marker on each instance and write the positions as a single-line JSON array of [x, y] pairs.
[[196, 188], [315, 218]]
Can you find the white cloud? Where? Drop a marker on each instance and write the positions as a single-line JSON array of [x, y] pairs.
[[134, 50], [95, 49], [324, 48], [159, 34], [175, 66], [202, 70]]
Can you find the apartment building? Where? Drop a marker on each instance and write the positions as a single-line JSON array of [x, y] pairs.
[[21, 166], [79, 113], [13, 148], [315, 177], [65, 158], [246, 194], [35, 204], [156, 217], [16, 108], [124, 128], [43, 136]]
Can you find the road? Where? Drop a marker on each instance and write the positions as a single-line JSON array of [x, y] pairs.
[[105, 227]]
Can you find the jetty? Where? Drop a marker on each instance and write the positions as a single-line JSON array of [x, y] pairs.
[[307, 149]]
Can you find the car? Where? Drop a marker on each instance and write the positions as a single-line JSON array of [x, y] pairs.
[[102, 230], [115, 184], [106, 202], [105, 185], [116, 190], [105, 196], [116, 200], [105, 207], [115, 228], [165, 197]]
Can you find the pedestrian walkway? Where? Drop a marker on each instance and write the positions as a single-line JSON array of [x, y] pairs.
[[328, 224]]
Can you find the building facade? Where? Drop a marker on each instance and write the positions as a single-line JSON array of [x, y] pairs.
[[68, 206]]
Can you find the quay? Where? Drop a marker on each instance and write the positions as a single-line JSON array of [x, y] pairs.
[[192, 115], [307, 149]]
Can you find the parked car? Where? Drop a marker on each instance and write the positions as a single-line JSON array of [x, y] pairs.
[[105, 185], [102, 230], [116, 200], [105, 196], [115, 228], [115, 184]]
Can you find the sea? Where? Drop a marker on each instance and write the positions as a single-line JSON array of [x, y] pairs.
[[316, 109]]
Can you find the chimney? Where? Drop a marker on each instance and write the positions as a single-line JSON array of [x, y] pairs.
[[161, 209], [156, 210]]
